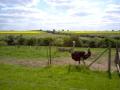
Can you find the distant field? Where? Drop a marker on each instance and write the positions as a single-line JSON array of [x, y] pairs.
[[72, 32], [42, 34], [22, 32], [92, 32], [36, 34]]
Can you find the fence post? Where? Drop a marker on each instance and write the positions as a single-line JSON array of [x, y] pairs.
[[49, 54], [109, 60], [117, 60]]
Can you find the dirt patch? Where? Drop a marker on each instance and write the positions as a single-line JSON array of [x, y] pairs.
[[99, 65], [25, 62]]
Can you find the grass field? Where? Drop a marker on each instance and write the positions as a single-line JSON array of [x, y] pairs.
[[21, 68], [38, 56], [40, 51], [21, 32], [18, 71], [93, 32], [14, 77], [29, 52], [66, 32], [27, 34]]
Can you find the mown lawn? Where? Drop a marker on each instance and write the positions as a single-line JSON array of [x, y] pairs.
[[14, 77]]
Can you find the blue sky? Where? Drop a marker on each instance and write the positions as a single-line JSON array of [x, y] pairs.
[[60, 14]]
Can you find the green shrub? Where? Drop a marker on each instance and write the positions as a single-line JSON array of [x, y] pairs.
[[47, 41], [40, 42], [59, 41], [31, 41], [64, 41], [10, 40], [67, 42], [20, 40], [85, 42]]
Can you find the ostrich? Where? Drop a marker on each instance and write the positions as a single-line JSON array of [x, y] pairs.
[[80, 55]]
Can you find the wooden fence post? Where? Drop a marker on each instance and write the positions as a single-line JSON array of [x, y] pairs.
[[117, 60], [109, 60], [50, 54]]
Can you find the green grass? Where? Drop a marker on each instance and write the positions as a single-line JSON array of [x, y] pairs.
[[29, 52], [41, 52], [13, 77]]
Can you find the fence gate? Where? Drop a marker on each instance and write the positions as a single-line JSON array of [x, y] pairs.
[[117, 59]]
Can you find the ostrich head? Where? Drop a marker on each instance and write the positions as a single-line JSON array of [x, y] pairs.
[[88, 54]]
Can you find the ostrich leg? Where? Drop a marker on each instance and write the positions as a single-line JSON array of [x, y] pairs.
[[84, 62], [79, 62]]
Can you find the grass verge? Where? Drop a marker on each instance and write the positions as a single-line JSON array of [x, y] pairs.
[[14, 77]]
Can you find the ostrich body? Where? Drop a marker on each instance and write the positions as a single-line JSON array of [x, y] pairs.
[[80, 55]]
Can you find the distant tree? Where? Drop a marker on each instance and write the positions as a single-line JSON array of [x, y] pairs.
[[10, 40], [67, 30], [92, 43], [63, 30], [47, 41], [20, 40], [54, 31], [40, 42], [31, 41], [41, 30], [59, 41]]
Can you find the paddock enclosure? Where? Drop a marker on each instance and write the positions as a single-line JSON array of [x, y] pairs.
[[39, 56], [48, 65]]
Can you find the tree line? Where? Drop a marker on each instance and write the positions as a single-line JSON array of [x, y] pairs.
[[12, 40]]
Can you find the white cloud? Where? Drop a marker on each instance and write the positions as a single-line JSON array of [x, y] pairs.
[[59, 2], [60, 13]]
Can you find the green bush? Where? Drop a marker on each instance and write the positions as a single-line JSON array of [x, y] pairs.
[[85, 42], [59, 41], [20, 40], [40, 42], [47, 41], [31, 41], [94, 42], [67, 42], [64, 41], [10, 40]]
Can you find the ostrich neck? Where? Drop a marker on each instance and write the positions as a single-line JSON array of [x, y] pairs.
[[72, 49], [88, 54]]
